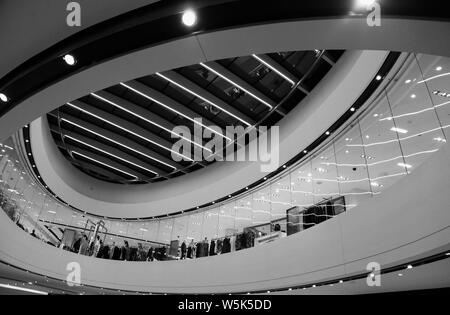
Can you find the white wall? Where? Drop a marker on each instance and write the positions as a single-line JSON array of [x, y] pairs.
[[408, 221]]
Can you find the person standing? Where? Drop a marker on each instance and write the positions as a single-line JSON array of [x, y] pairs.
[[183, 250], [83, 245]]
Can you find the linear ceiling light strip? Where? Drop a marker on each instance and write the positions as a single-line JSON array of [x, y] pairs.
[[129, 131], [104, 164], [110, 154], [274, 69], [149, 121], [236, 85], [116, 142], [203, 98], [173, 110]]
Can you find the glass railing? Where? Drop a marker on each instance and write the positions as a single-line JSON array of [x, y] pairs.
[[406, 123]]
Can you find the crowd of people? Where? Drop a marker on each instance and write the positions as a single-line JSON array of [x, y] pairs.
[[186, 250]]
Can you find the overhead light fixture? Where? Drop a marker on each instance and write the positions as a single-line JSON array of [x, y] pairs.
[[399, 130], [3, 98], [379, 77], [400, 274], [173, 110], [69, 59], [439, 68], [202, 98], [104, 164], [124, 129], [327, 133], [404, 165], [273, 69], [352, 109], [408, 81], [149, 121], [189, 18], [413, 96], [235, 84], [11, 287], [110, 154], [409, 267]]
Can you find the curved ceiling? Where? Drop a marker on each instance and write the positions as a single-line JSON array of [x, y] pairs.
[[125, 133]]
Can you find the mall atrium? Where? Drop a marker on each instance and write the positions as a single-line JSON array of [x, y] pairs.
[[97, 101]]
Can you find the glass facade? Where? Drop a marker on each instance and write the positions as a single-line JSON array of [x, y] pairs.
[[405, 124]]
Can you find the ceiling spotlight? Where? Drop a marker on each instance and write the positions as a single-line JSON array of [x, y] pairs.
[[379, 77], [304, 151], [189, 18], [409, 267], [352, 109], [69, 59], [3, 98], [408, 81], [327, 133], [400, 274], [439, 68], [413, 96]]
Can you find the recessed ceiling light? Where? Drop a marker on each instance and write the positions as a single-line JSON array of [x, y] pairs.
[[399, 130], [375, 115], [379, 77], [352, 109], [400, 274], [408, 81], [189, 18], [439, 68], [3, 98], [304, 151], [69, 59], [327, 133], [413, 96], [409, 267]]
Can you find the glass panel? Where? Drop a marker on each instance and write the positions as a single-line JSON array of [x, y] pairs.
[[280, 193], [436, 76], [261, 206], [382, 149], [244, 214], [415, 120], [352, 167]]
